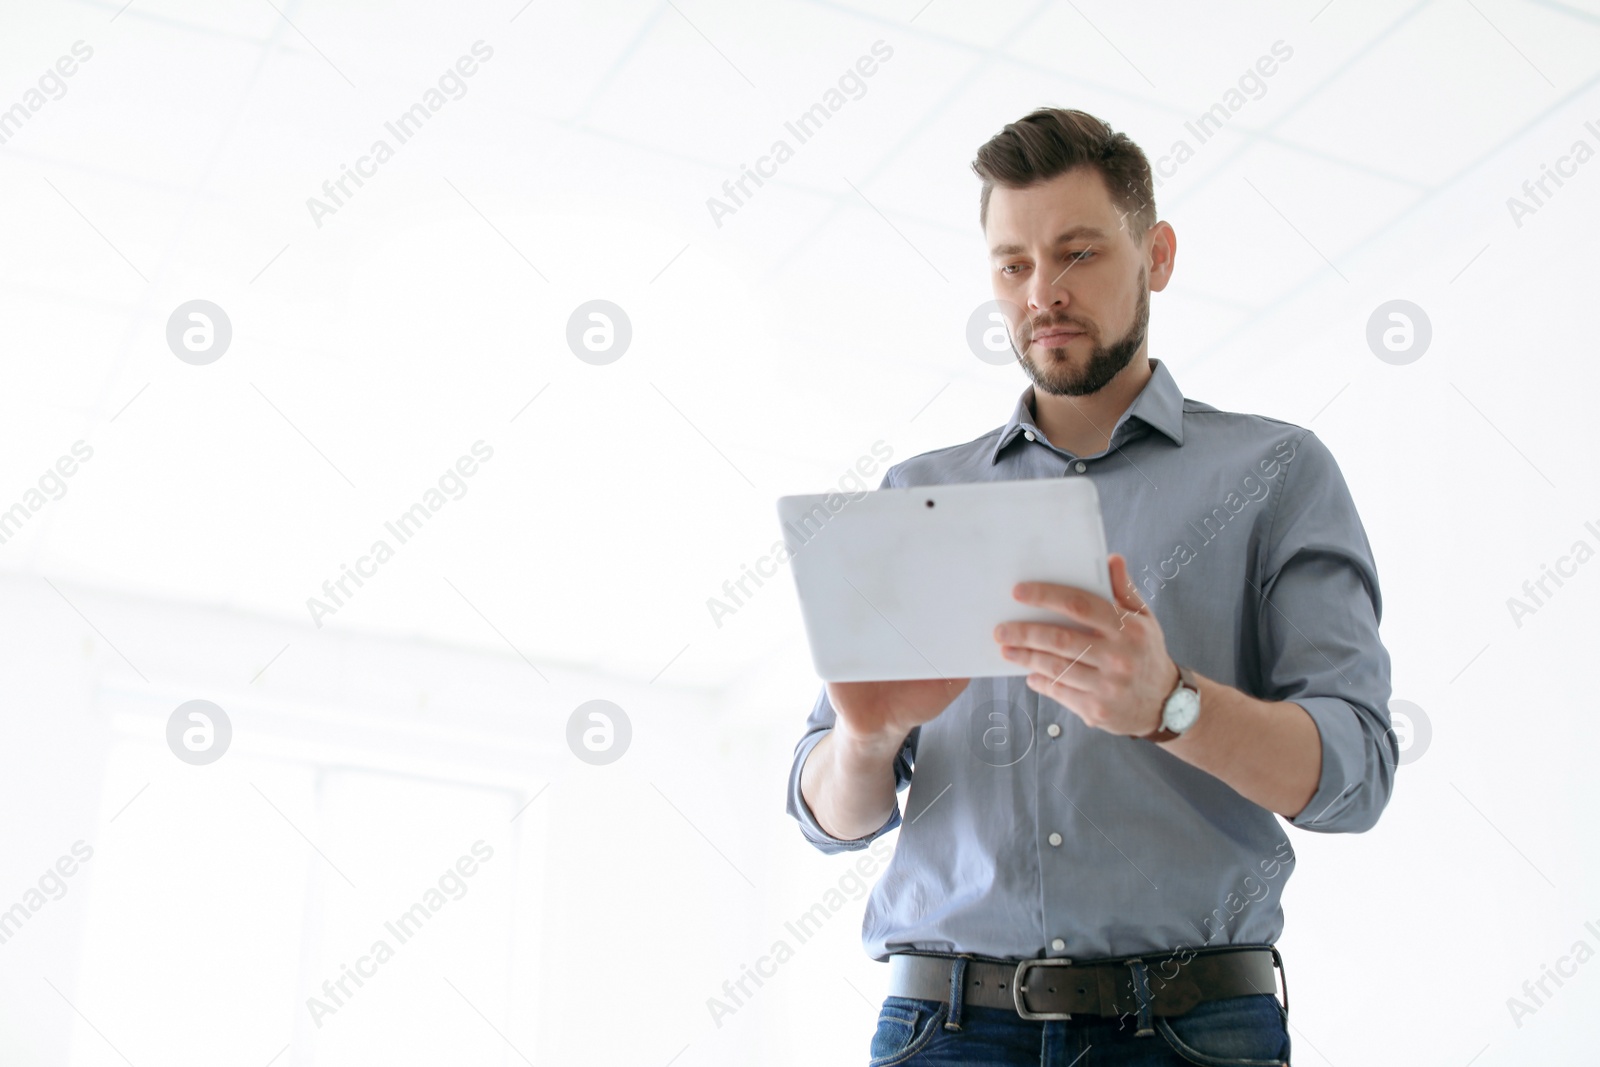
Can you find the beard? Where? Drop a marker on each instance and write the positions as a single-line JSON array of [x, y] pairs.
[[1061, 378]]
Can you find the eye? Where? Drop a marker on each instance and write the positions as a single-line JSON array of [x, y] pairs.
[[1079, 257], [1009, 267]]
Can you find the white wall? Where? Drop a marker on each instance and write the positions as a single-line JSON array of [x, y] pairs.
[[769, 352]]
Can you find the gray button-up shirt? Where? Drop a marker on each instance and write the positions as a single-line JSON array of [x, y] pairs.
[[1027, 833]]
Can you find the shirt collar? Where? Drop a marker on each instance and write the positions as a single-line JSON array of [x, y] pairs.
[[1158, 405]]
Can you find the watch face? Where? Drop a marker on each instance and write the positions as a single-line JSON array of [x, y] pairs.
[[1181, 711]]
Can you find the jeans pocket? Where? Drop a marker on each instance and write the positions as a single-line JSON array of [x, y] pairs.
[[905, 1027], [1246, 1031]]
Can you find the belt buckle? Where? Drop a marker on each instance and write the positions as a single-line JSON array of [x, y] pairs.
[[1017, 989]]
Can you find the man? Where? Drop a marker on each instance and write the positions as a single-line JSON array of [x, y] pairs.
[[1089, 855]]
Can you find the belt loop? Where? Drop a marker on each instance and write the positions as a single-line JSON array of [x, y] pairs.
[[958, 987], [1284, 975], [1141, 989]]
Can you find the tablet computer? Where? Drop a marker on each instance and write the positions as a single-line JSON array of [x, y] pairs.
[[910, 583]]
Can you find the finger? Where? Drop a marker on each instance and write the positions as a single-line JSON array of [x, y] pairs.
[[1080, 605], [1063, 692], [1044, 637], [1069, 670], [1127, 593]]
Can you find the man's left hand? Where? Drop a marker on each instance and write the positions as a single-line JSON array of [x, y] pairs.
[[1110, 667]]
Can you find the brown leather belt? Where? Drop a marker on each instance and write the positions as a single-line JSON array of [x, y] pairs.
[[1060, 988]]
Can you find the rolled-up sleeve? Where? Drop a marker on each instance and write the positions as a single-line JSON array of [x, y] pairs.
[[1319, 608], [817, 726]]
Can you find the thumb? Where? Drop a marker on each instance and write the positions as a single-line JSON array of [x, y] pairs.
[[1128, 598]]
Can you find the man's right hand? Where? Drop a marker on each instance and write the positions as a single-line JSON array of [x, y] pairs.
[[848, 779], [885, 712]]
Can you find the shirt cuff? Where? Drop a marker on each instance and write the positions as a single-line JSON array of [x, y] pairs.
[[809, 826], [1358, 764]]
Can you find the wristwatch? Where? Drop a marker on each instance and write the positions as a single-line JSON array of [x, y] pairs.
[[1180, 711]]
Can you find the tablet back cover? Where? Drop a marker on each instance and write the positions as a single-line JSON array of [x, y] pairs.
[[910, 583]]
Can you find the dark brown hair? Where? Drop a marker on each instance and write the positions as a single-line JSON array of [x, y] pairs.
[[1052, 141]]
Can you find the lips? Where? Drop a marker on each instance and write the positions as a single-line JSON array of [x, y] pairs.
[[1055, 337]]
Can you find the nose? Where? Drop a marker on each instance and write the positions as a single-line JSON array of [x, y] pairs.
[[1045, 291]]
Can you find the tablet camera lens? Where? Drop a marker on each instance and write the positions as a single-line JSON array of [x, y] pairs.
[[930, 503]]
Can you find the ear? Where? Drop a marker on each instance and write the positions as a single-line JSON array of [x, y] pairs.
[[1163, 254]]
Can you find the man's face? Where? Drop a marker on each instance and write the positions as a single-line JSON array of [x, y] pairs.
[[1074, 281]]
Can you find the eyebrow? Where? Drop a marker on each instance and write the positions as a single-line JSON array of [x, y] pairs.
[[1074, 234]]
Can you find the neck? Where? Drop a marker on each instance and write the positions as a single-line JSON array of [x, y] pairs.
[[1082, 424]]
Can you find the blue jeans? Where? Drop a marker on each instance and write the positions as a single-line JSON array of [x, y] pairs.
[[1245, 1031]]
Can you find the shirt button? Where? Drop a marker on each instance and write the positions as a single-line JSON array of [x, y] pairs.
[[1055, 839], [1058, 944], [1080, 468], [1028, 434], [1053, 730]]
